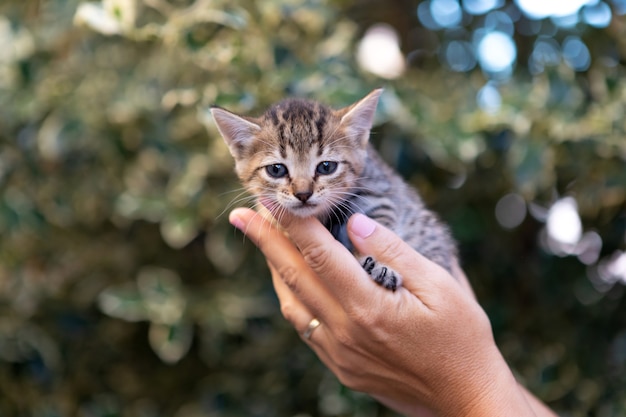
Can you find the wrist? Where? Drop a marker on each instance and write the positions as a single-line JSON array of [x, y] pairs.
[[491, 390], [408, 409]]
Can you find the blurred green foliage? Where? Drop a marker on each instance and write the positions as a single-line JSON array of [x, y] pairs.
[[124, 291]]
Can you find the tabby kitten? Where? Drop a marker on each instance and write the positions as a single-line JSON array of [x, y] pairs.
[[310, 160]]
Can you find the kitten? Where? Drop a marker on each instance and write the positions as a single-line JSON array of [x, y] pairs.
[[310, 160]]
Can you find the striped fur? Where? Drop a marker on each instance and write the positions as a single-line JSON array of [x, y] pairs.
[[286, 158]]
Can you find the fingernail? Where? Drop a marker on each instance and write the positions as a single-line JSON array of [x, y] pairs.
[[362, 226], [236, 221]]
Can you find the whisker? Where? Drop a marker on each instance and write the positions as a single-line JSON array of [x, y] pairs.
[[241, 198]]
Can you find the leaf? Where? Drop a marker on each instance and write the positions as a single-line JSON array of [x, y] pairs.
[[161, 294], [123, 302], [235, 20], [94, 16], [178, 230], [170, 341], [223, 248]]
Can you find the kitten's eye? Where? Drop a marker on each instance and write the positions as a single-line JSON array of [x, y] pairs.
[[276, 170], [326, 167]]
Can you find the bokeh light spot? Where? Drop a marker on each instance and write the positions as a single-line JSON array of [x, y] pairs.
[[426, 17], [589, 247], [597, 15], [511, 211], [563, 223], [546, 52], [459, 56], [496, 52], [499, 21], [478, 7], [540, 9], [379, 52], [489, 99], [576, 54], [446, 13], [609, 271], [566, 22], [615, 266]]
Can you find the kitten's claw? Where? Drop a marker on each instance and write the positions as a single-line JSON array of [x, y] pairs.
[[381, 274], [369, 264]]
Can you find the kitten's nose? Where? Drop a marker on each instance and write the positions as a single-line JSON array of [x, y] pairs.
[[303, 196]]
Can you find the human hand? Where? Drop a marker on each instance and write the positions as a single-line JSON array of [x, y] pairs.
[[427, 344]]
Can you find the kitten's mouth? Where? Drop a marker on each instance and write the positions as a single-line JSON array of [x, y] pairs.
[[305, 206], [305, 209], [300, 209]]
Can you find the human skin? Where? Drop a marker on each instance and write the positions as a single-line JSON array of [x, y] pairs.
[[425, 349]]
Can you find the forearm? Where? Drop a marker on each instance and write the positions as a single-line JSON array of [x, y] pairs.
[[537, 407], [540, 409], [492, 393]]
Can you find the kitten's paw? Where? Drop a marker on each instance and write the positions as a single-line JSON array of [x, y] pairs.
[[382, 274]]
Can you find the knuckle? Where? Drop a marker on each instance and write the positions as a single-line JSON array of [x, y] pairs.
[[316, 256], [344, 339], [288, 310], [362, 316], [289, 275], [368, 315], [371, 322]]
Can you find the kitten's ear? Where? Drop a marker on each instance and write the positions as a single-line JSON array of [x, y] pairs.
[[237, 131], [359, 117]]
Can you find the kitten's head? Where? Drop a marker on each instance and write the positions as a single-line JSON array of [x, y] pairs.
[[300, 156]]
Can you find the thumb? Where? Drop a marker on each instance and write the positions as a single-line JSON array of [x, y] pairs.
[[372, 239]]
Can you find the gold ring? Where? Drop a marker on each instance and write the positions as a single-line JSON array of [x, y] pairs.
[[313, 324]]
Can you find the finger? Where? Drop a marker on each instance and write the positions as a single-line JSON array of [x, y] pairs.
[[300, 318], [288, 263], [334, 264], [290, 306], [421, 276]]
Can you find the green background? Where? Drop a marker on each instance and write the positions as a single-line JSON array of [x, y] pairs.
[[125, 292]]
